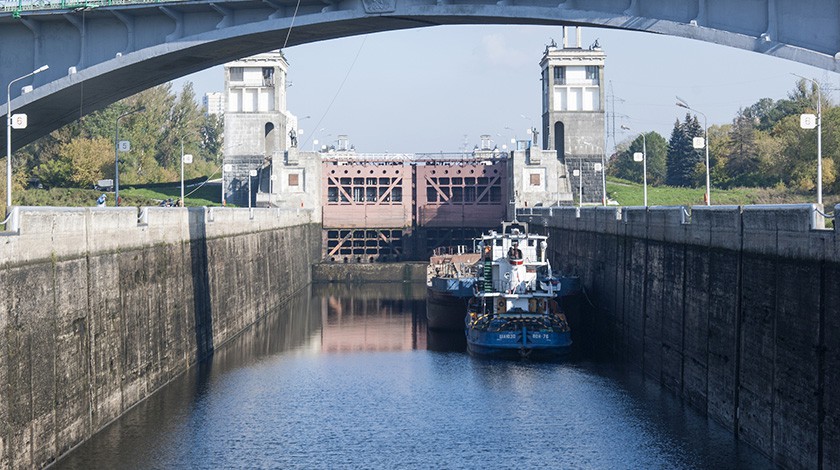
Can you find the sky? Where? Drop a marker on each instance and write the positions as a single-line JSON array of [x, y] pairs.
[[438, 89]]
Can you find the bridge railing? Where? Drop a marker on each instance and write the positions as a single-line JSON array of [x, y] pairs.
[[19, 6]]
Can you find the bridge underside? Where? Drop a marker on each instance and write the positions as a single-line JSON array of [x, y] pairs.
[[98, 56]]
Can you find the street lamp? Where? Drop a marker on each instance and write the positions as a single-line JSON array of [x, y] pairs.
[[819, 137], [251, 174], [117, 152], [682, 104], [188, 158], [9, 132], [644, 160]]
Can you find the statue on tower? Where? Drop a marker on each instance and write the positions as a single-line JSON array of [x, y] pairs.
[[293, 137]]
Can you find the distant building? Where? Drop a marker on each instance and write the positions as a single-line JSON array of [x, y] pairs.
[[214, 103], [573, 110]]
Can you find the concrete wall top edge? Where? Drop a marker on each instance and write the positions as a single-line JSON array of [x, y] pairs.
[[720, 217], [33, 221], [634, 214], [780, 217], [836, 228]]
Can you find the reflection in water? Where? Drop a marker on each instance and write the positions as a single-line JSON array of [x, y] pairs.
[[342, 379], [371, 318]]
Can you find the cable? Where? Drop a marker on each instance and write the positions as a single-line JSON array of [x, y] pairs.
[[291, 25], [347, 75], [204, 182]]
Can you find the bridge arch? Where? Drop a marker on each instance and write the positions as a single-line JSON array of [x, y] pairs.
[[100, 55]]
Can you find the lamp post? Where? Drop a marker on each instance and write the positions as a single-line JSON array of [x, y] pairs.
[[644, 160], [579, 174], [184, 159], [604, 178], [251, 174], [819, 137], [682, 104], [9, 132], [224, 203], [117, 152]]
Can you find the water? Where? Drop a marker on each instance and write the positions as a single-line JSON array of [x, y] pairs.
[[353, 380]]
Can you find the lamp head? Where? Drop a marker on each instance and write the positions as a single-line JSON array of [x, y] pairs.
[[41, 68]]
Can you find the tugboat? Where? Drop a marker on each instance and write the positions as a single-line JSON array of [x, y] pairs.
[[450, 281], [514, 311]]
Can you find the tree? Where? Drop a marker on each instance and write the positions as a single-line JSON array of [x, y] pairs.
[[80, 163], [743, 163], [683, 159], [625, 167]]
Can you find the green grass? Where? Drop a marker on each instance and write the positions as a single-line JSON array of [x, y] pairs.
[[207, 195], [628, 193], [624, 192]]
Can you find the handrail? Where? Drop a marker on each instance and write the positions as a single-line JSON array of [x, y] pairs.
[[827, 216], [46, 5]]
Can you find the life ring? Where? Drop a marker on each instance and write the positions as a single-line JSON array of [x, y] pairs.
[[501, 305], [540, 305]]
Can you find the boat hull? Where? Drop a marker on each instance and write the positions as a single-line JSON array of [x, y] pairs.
[[445, 311], [521, 344]]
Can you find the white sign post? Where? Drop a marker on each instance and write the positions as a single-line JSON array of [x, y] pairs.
[[124, 146], [185, 158], [251, 174]]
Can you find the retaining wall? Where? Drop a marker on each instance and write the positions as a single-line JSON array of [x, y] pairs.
[[736, 309], [103, 306]]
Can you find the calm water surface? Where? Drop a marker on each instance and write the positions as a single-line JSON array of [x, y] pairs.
[[350, 378]]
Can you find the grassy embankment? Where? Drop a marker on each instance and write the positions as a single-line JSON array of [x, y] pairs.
[[206, 195], [628, 193], [624, 192]]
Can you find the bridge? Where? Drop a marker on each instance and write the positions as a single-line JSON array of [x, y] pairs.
[[100, 51]]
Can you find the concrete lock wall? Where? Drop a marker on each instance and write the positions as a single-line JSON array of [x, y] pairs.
[[736, 309], [100, 308]]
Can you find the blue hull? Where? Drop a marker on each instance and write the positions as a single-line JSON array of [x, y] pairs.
[[522, 343]]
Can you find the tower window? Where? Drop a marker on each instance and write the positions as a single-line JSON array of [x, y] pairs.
[[237, 74], [592, 72], [268, 76], [559, 75]]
